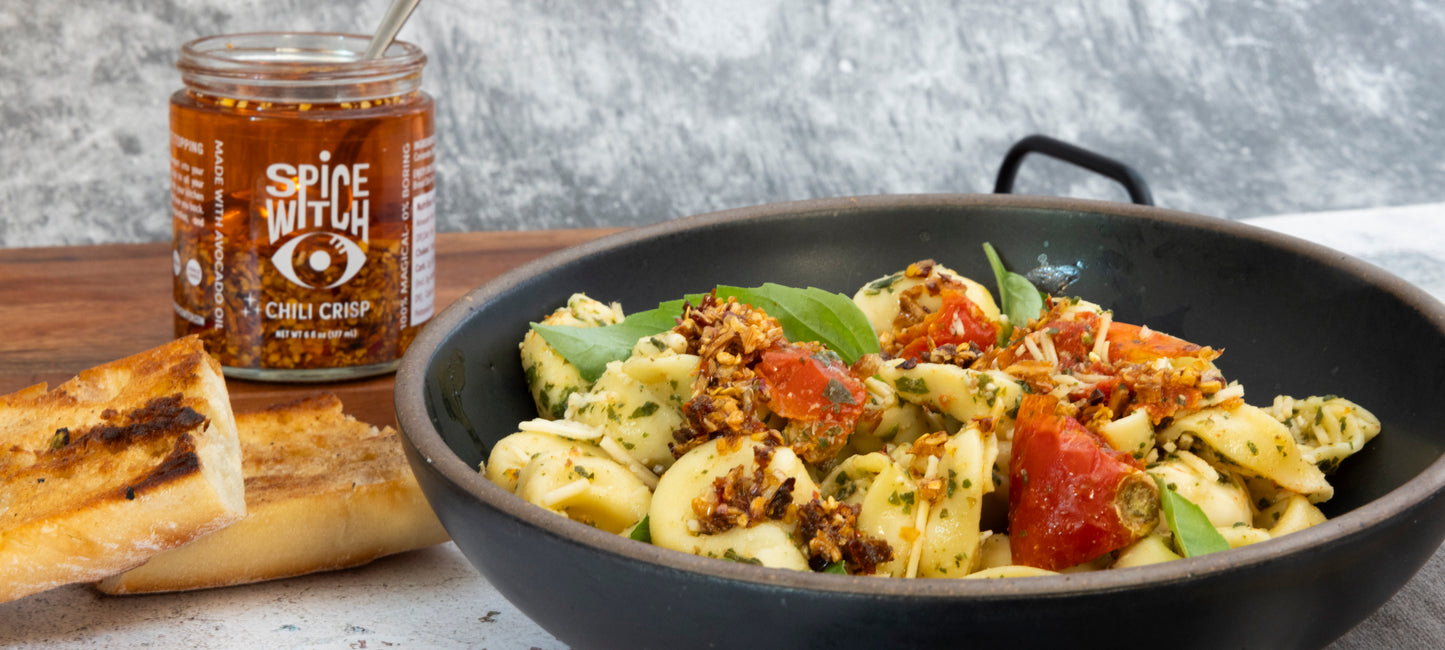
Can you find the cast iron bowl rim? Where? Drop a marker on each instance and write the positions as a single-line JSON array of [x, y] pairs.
[[432, 450]]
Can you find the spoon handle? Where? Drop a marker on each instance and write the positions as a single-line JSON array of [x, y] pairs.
[[391, 23]]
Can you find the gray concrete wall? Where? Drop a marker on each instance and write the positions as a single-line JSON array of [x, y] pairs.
[[568, 114]]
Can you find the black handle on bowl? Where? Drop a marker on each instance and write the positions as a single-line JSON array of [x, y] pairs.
[[1130, 179]]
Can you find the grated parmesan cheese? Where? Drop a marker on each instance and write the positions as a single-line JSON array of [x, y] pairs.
[[920, 523], [1033, 348], [1233, 390], [558, 495], [1050, 354], [1101, 341], [519, 457], [1199, 465], [562, 429], [625, 459]]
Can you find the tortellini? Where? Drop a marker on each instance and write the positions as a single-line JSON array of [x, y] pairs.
[[1223, 498], [960, 393], [1151, 549], [514, 452], [574, 470], [1132, 434], [927, 508], [950, 541], [551, 379], [1291, 514], [674, 523], [878, 299], [1249, 438], [888, 501], [1327, 429], [889, 419], [637, 402], [592, 489]]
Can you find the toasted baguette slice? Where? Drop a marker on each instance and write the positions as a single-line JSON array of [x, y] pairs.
[[323, 491], [124, 461]]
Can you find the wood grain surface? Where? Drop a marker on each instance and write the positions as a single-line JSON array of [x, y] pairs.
[[65, 309]]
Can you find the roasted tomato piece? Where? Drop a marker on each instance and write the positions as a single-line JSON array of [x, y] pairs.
[[815, 391], [806, 383], [1073, 339], [1071, 499], [958, 321], [1136, 344]]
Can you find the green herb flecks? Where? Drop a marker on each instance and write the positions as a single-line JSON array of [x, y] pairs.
[[733, 555], [886, 282], [648, 408], [914, 385], [837, 393], [906, 500]]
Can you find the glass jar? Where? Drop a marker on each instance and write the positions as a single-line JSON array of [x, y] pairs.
[[302, 199]]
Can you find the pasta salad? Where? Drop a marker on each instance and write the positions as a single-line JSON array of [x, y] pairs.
[[919, 429]]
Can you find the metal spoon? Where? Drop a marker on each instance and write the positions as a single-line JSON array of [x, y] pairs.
[[391, 23]]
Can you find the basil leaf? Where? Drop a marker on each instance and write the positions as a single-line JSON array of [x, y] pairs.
[[590, 348], [813, 314], [1193, 534], [642, 532], [805, 314], [840, 567], [1018, 298]]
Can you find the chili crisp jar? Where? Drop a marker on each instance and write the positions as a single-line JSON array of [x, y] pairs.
[[302, 200]]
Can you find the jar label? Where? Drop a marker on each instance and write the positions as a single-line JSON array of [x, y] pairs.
[[302, 241]]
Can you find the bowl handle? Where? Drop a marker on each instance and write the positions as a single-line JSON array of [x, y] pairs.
[[1130, 179]]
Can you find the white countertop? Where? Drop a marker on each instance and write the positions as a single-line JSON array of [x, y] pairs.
[[1408, 241], [433, 598]]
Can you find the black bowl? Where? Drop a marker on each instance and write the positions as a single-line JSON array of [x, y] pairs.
[[1293, 318]]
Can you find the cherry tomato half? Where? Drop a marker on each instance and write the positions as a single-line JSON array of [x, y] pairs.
[[1134, 344], [807, 384], [958, 321], [1071, 499]]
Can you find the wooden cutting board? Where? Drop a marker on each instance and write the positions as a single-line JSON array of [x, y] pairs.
[[65, 309]]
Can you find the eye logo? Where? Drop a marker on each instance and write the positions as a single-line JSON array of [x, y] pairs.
[[319, 251]]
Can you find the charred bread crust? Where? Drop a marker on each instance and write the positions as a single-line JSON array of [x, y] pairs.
[[323, 491], [123, 461]]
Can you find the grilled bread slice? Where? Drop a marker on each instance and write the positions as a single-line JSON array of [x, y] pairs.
[[323, 491], [126, 460]]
